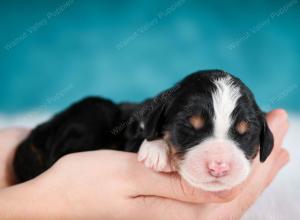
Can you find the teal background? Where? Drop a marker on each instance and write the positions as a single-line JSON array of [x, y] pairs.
[[55, 52]]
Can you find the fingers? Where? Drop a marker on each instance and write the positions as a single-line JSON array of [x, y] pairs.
[[278, 123], [281, 161]]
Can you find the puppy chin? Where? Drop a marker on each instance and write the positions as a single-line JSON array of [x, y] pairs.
[[213, 185]]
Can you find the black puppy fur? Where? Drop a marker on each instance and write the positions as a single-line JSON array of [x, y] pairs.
[[96, 123]]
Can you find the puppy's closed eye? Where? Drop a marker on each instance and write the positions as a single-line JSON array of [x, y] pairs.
[[197, 121], [242, 127]]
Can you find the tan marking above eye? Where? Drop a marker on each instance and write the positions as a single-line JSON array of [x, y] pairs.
[[197, 121], [242, 127]]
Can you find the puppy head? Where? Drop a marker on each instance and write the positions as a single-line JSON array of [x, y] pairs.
[[214, 129]]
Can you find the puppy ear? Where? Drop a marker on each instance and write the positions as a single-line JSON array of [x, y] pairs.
[[153, 121], [266, 141], [147, 122]]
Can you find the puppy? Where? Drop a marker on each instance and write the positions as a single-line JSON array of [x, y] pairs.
[[208, 128]]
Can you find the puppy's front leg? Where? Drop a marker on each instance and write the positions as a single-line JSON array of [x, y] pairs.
[[155, 155]]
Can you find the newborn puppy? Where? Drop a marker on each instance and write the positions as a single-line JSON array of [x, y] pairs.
[[207, 127]]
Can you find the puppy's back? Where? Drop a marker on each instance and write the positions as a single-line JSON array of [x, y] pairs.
[[84, 126]]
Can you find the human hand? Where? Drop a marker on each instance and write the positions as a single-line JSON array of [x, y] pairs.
[[9, 140], [113, 185]]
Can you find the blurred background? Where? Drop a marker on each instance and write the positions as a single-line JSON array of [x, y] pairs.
[[55, 52]]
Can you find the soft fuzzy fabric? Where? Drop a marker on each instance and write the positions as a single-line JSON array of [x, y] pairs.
[[280, 201]]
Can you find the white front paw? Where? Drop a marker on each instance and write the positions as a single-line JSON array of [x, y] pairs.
[[155, 155]]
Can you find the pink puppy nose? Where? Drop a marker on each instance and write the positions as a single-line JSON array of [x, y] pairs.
[[218, 169]]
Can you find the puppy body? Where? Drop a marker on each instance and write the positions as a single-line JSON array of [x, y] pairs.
[[84, 126], [207, 127]]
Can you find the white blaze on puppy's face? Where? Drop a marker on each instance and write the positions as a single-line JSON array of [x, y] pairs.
[[225, 99], [217, 163]]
